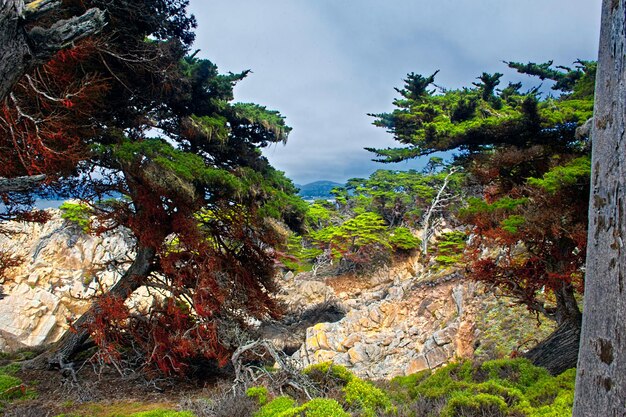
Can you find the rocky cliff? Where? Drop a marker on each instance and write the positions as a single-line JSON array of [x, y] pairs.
[[62, 269], [399, 320]]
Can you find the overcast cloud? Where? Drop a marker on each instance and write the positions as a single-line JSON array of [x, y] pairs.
[[325, 64]]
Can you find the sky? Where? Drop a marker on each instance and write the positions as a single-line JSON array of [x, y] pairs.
[[326, 64]]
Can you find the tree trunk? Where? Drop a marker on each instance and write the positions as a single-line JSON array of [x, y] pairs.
[[22, 49], [71, 342], [601, 377], [559, 351]]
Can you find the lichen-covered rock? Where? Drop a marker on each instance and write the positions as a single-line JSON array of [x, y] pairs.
[[63, 269], [399, 324]]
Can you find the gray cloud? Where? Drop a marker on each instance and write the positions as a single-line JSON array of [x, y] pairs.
[[325, 64]]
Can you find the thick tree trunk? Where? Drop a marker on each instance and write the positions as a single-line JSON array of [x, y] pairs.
[[559, 352], [22, 49], [71, 342], [601, 377]]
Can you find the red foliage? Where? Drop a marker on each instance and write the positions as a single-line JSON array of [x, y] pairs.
[[212, 275], [543, 255], [44, 122]]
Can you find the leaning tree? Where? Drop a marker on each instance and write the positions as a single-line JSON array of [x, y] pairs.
[[522, 152], [148, 138]]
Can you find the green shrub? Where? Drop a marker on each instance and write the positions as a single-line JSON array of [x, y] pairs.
[[260, 394], [519, 373], [327, 372], [445, 381], [367, 397], [449, 247], [78, 213], [468, 404], [320, 407], [6, 383], [504, 387], [401, 238], [546, 390], [276, 407], [162, 413]]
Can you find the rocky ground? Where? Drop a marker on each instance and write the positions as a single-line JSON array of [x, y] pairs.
[[398, 320]]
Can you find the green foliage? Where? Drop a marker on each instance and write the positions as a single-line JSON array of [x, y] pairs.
[[324, 371], [318, 214], [507, 387], [278, 407], [572, 173], [317, 407], [471, 119], [278, 196], [322, 407], [372, 218], [162, 413], [355, 239], [260, 394], [365, 229], [577, 81], [449, 247], [500, 388], [470, 404], [212, 127], [11, 387], [6, 383], [512, 223], [78, 213], [187, 166], [401, 238], [270, 120], [367, 397], [477, 205]]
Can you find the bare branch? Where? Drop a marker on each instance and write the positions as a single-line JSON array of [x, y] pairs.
[[9, 185]]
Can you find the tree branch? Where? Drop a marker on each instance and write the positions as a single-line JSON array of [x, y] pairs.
[[9, 185]]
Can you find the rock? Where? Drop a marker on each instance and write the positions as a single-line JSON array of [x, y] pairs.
[[457, 296], [349, 341], [444, 336], [416, 365], [357, 354], [396, 323], [436, 357], [50, 285]]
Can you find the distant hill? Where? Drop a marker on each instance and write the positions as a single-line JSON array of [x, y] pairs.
[[317, 189]]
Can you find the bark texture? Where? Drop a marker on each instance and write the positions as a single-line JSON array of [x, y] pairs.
[[601, 377], [8, 185], [22, 48], [559, 352]]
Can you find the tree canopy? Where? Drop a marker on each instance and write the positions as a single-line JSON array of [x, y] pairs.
[[529, 172], [474, 118], [131, 114]]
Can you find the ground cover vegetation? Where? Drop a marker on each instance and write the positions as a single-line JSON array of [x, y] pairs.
[[498, 388]]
